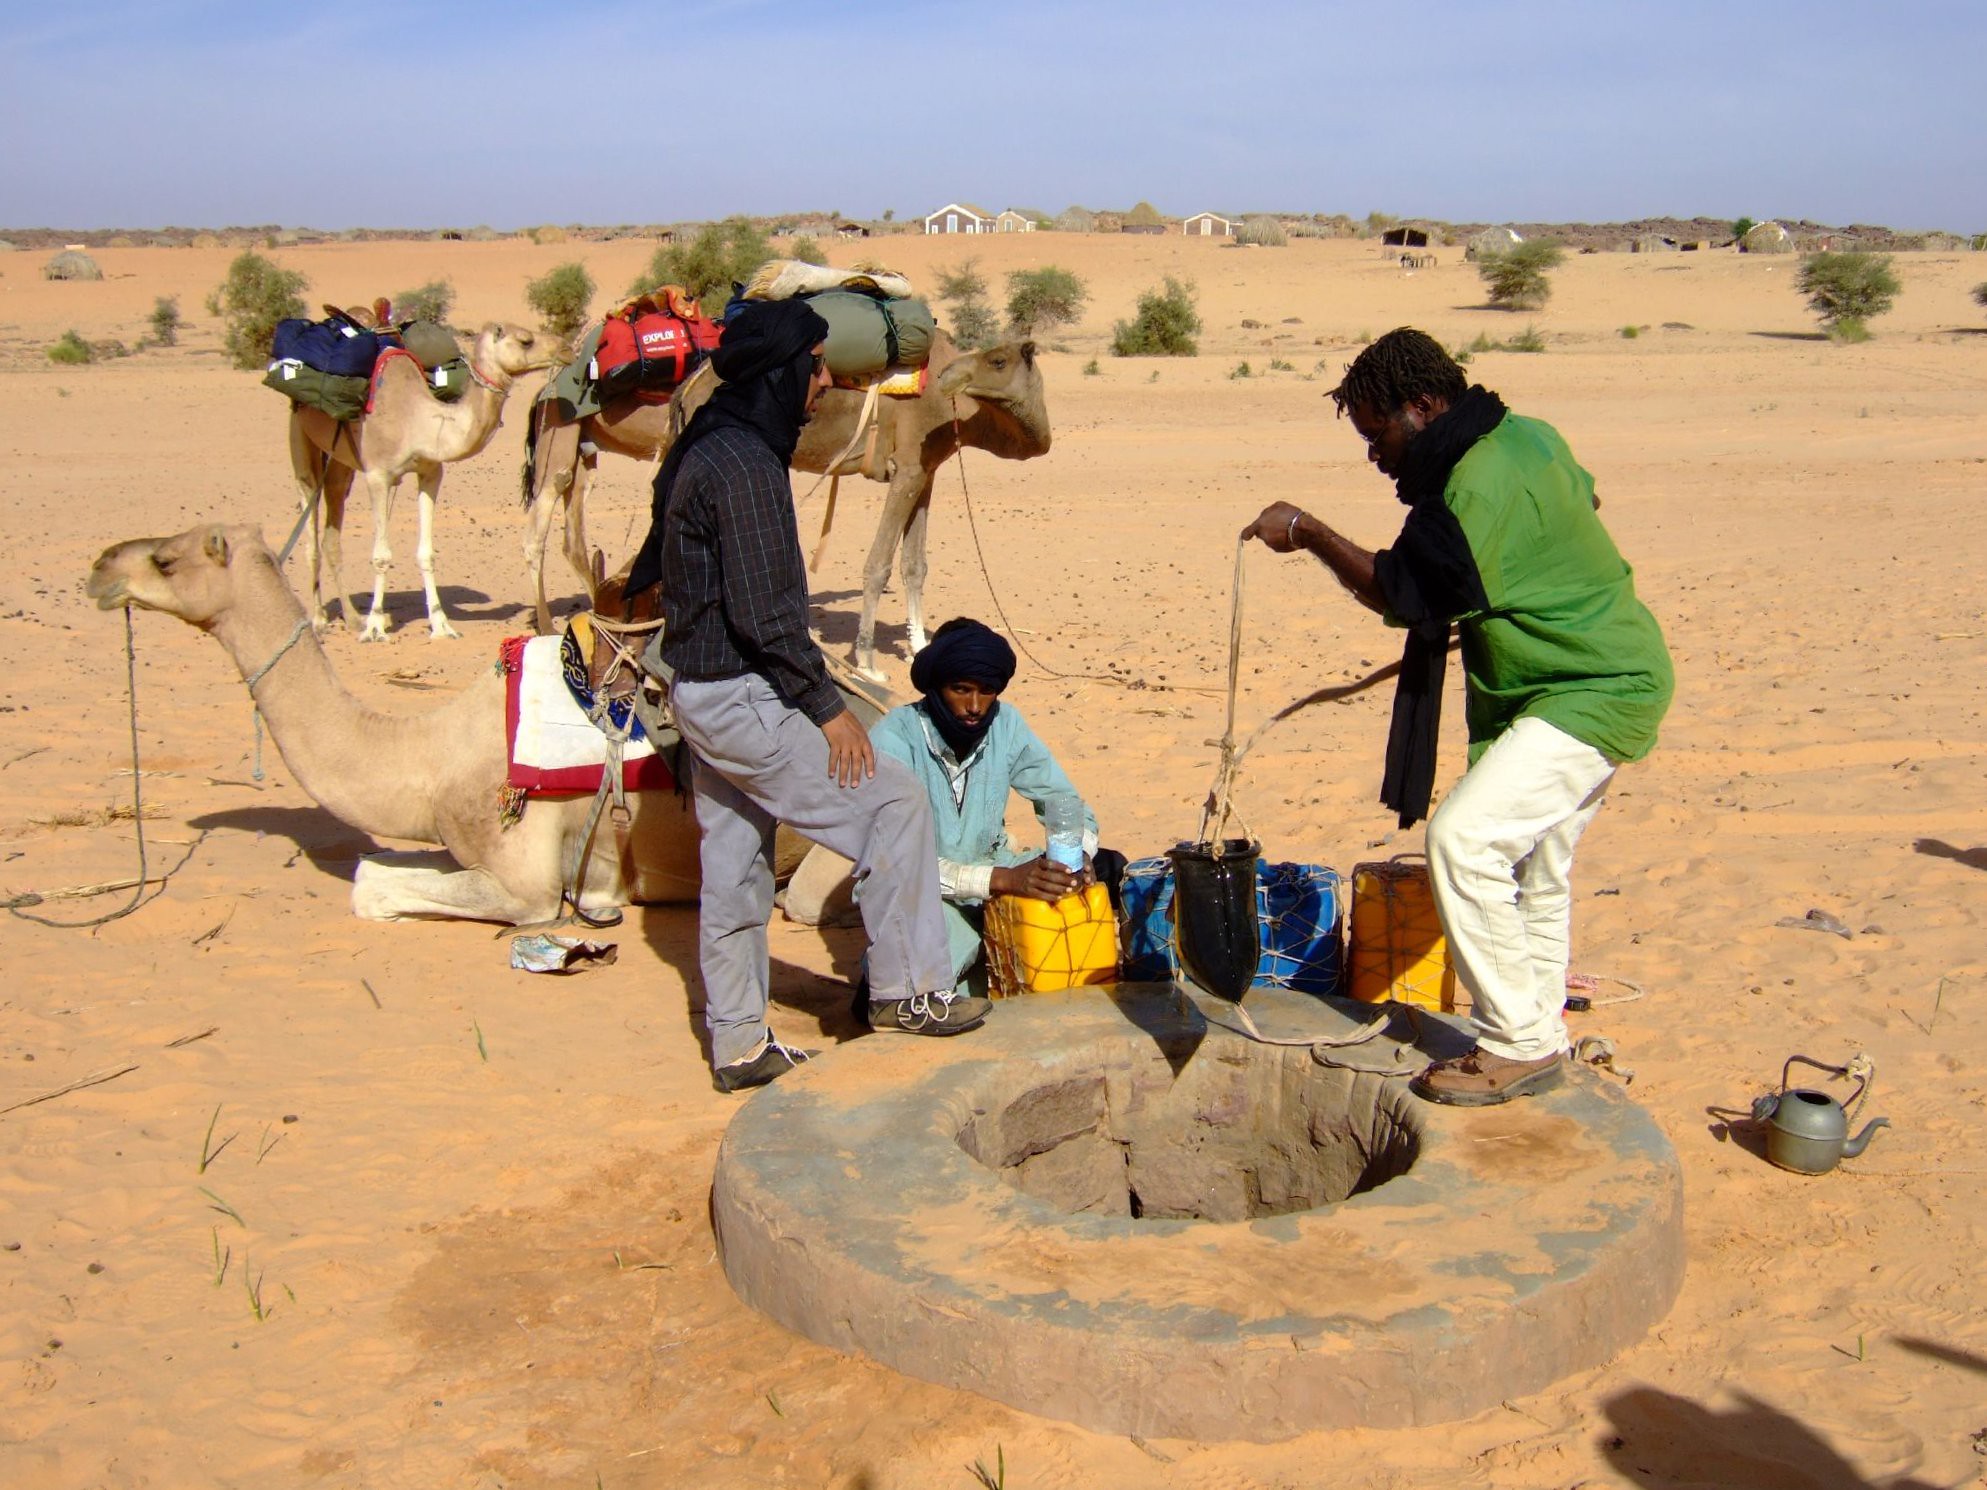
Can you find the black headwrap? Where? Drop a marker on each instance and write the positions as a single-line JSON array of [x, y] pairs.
[[765, 361], [1428, 578], [962, 651]]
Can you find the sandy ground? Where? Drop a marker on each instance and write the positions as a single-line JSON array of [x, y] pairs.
[[474, 1202]]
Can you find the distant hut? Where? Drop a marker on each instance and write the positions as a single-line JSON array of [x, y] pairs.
[[1941, 242], [1404, 237], [1208, 225], [1014, 220], [1075, 220], [959, 217], [1491, 241], [71, 263], [1767, 238], [483, 233], [1652, 243], [1144, 218], [851, 229]]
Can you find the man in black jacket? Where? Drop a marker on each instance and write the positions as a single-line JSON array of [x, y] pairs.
[[773, 740]]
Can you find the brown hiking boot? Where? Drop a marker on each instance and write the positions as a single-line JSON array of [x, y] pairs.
[[1481, 1079]]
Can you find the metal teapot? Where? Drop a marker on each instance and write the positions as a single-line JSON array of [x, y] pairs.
[[1808, 1131]]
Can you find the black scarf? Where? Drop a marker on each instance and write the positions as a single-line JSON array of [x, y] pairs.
[[1428, 578], [962, 651], [766, 363]]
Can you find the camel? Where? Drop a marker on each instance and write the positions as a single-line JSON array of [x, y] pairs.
[[431, 778], [409, 432], [995, 395]]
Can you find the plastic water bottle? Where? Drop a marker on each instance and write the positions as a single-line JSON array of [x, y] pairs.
[[1062, 815]]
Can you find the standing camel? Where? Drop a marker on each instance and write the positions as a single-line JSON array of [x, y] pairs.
[[430, 778], [408, 432], [991, 401]]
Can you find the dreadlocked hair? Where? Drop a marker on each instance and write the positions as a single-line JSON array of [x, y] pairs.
[[1397, 368]]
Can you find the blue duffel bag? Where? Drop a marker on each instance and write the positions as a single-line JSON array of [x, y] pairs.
[[1297, 910], [336, 347]]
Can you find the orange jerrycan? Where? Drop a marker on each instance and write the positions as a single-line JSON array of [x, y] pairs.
[[1035, 947], [1397, 948]]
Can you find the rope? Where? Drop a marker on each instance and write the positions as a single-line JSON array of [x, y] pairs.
[[303, 624], [138, 895], [1220, 805]]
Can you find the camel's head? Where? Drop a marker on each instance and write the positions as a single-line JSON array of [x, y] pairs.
[[1007, 382], [186, 576], [515, 351]]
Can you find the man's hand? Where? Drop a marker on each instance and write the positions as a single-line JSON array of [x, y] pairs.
[[1276, 527], [851, 758], [1041, 877]]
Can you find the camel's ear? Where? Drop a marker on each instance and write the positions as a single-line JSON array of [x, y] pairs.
[[215, 546]]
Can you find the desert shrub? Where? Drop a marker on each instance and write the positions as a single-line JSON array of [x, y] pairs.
[[1277, 364], [547, 233], [561, 296], [1242, 370], [964, 294], [1091, 369], [1364, 338], [1263, 231], [1845, 289], [1039, 299], [1379, 222], [250, 301], [1516, 276], [1980, 293], [166, 320], [806, 250], [1528, 340], [1631, 331], [721, 255], [1165, 325], [431, 302], [1742, 226], [71, 350]]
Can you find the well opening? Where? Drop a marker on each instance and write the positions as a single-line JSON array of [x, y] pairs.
[[1227, 1133]]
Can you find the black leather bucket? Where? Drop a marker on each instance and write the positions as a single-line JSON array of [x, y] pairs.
[[1214, 914]]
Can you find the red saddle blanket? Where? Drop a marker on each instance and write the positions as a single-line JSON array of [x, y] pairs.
[[554, 748]]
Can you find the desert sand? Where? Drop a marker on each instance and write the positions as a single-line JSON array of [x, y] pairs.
[[474, 1201]]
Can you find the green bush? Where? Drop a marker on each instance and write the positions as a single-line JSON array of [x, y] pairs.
[[721, 255], [964, 294], [1262, 231], [71, 350], [1980, 293], [561, 296], [1242, 370], [1630, 332], [1742, 226], [1846, 289], [1277, 364], [431, 302], [166, 320], [1516, 276], [806, 250], [1528, 340], [1040, 299], [1091, 369], [250, 301], [1165, 325]]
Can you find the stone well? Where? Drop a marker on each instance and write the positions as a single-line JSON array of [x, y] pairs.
[[1102, 1209]]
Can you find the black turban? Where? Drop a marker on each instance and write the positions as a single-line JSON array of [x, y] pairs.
[[766, 363], [962, 651]]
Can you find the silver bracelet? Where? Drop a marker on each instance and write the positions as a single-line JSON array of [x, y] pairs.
[[1290, 537]]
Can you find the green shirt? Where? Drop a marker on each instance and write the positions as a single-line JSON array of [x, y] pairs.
[[1563, 637]]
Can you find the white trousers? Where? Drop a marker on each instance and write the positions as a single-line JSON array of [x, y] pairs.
[[1500, 854]]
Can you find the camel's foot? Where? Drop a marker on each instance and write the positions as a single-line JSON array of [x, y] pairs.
[[439, 628], [375, 628], [428, 883], [324, 624], [869, 672]]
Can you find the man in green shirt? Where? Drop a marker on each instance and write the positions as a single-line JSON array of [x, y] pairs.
[[1566, 678]]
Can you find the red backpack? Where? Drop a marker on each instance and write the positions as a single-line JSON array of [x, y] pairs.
[[651, 345]]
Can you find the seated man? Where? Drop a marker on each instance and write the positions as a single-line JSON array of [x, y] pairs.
[[969, 750]]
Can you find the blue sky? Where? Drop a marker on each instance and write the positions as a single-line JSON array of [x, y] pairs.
[[208, 112]]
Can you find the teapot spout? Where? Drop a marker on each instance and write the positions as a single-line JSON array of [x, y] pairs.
[[1851, 1147]]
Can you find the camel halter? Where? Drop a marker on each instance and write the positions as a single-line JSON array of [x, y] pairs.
[[477, 373], [303, 624]]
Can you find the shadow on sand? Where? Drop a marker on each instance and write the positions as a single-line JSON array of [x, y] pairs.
[[1972, 858], [1667, 1442]]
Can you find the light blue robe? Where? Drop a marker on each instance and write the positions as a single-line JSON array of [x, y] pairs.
[[972, 829]]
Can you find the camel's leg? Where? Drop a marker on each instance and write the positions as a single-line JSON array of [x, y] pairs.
[[821, 891], [401, 886], [382, 490], [909, 489], [586, 563], [424, 554], [337, 493], [915, 569], [554, 473]]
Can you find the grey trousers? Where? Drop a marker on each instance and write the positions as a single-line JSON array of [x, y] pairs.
[[761, 762]]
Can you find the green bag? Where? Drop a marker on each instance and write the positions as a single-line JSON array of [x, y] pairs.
[[342, 398], [449, 380], [867, 335], [431, 343]]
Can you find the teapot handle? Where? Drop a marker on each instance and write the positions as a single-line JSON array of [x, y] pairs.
[[1862, 1068]]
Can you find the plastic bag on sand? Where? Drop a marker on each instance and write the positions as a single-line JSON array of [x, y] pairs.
[[559, 954]]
